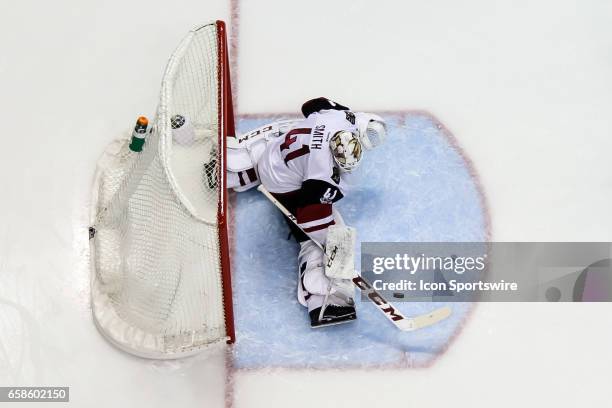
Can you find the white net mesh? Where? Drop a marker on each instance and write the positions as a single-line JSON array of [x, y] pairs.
[[157, 286]]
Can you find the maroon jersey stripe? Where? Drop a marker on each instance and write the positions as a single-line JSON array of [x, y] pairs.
[[252, 175], [313, 212], [319, 227]]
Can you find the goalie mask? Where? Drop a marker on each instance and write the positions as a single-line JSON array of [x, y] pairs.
[[372, 129], [346, 150]]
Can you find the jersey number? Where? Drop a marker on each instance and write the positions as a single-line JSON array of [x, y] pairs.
[[289, 140]]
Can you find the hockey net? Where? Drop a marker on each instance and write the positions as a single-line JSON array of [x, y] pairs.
[[160, 264]]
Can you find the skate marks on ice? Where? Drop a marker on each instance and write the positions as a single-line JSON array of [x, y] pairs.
[[418, 186]]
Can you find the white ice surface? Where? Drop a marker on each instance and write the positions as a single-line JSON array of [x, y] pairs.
[[525, 87], [75, 75]]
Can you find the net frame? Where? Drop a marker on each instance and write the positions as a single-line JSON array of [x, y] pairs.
[[226, 129], [104, 315]]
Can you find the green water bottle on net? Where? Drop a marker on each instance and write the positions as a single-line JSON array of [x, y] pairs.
[[139, 133]]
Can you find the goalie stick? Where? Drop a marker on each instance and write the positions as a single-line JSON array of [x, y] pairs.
[[391, 312]]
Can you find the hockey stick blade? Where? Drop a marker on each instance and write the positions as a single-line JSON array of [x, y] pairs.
[[426, 320], [394, 315], [386, 308]]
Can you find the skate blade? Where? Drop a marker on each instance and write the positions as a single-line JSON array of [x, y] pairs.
[[334, 323]]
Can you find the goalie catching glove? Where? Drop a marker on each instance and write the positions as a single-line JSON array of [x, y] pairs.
[[340, 252]]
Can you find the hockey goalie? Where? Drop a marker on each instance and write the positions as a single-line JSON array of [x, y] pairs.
[[307, 165]]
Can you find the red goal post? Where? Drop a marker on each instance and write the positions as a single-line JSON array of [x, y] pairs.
[[226, 130]]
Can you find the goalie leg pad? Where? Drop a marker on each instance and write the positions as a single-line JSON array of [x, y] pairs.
[[313, 279], [314, 285]]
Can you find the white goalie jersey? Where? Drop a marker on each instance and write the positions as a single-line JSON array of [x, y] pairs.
[[303, 153], [294, 162], [306, 164]]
